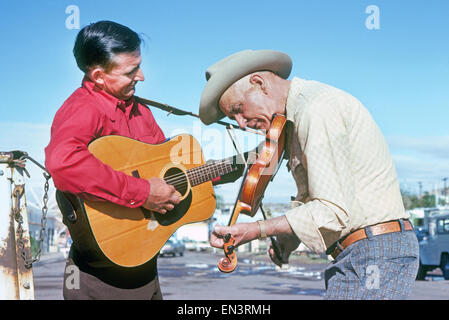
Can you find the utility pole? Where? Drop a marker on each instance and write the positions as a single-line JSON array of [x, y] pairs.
[[444, 189], [420, 189], [420, 193]]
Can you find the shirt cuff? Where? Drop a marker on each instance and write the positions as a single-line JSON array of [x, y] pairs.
[[136, 193], [303, 225]]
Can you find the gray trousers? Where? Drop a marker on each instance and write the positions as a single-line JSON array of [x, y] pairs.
[[82, 282], [90, 287], [378, 267]]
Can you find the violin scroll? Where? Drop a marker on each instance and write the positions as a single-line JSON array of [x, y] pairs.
[[228, 263]]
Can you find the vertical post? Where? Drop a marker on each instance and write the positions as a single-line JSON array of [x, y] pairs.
[[16, 281], [25, 279], [8, 279]]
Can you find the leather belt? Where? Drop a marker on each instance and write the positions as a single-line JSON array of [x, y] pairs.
[[377, 229]]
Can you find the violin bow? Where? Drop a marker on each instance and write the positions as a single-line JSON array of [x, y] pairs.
[[274, 242]]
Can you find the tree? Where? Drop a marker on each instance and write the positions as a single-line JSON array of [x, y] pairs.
[[428, 200], [410, 201]]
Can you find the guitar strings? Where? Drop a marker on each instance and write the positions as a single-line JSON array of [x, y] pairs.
[[198, 170], [179, 179]]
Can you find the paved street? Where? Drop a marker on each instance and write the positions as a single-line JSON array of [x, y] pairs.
[[196, 277]]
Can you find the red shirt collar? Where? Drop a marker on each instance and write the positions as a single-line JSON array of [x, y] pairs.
[[114, 102]]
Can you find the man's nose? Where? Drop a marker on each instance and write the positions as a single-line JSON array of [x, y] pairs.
[[240, 120], [139, 75]]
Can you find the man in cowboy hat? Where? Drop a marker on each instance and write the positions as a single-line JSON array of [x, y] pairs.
[[348, 202]]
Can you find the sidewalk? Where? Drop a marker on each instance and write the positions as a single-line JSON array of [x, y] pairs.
[[48, 275], [50, 257]]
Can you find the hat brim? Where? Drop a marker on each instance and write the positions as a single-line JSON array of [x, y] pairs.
[[224, 73]]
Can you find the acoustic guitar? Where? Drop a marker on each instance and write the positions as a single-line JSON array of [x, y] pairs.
[[130, 237]]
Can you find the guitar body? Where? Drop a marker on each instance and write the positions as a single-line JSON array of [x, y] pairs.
[[130, 237]]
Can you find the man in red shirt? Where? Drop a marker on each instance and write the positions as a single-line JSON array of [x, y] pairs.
[[109, 55]]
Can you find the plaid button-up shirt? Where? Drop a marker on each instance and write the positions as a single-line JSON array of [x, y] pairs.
[[340, 161]]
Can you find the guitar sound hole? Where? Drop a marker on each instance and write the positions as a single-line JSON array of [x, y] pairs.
[[177, 178]]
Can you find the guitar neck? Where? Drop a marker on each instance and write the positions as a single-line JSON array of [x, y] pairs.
[[209, 171]]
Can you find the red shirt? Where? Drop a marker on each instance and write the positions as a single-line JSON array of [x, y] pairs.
[[90, 113]]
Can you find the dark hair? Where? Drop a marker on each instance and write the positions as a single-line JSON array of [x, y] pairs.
[[97, 43]]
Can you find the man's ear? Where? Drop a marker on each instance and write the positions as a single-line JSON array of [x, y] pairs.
[[257, 79], [96, 74]]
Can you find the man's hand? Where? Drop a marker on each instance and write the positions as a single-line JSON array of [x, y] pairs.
[[245, 232], [162, 197], [287, 244], [241, 232]]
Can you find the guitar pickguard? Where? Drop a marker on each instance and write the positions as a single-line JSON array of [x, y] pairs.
[[176, 214]]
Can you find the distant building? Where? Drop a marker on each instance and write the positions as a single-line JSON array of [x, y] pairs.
[[198, 231]]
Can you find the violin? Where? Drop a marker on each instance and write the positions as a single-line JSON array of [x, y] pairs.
[[255, 181]]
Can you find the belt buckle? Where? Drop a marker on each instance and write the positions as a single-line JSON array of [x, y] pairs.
[[335, 253]]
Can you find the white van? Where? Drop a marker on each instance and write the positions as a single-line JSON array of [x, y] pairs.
[[434, 244]]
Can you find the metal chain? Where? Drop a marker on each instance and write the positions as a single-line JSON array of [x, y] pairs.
[[43, 223], [17, 193]]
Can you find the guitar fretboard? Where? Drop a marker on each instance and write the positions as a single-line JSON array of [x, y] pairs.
[[209, 171]]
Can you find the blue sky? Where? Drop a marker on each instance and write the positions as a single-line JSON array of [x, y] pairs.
[[400, 72]]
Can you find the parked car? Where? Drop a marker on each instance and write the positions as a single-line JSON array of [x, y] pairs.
[[434, 245], [64, 242], [202, 246], [173, 248], [421, 233], [192, 245]]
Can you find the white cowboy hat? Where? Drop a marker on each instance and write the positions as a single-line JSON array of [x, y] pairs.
[[221, 75]]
